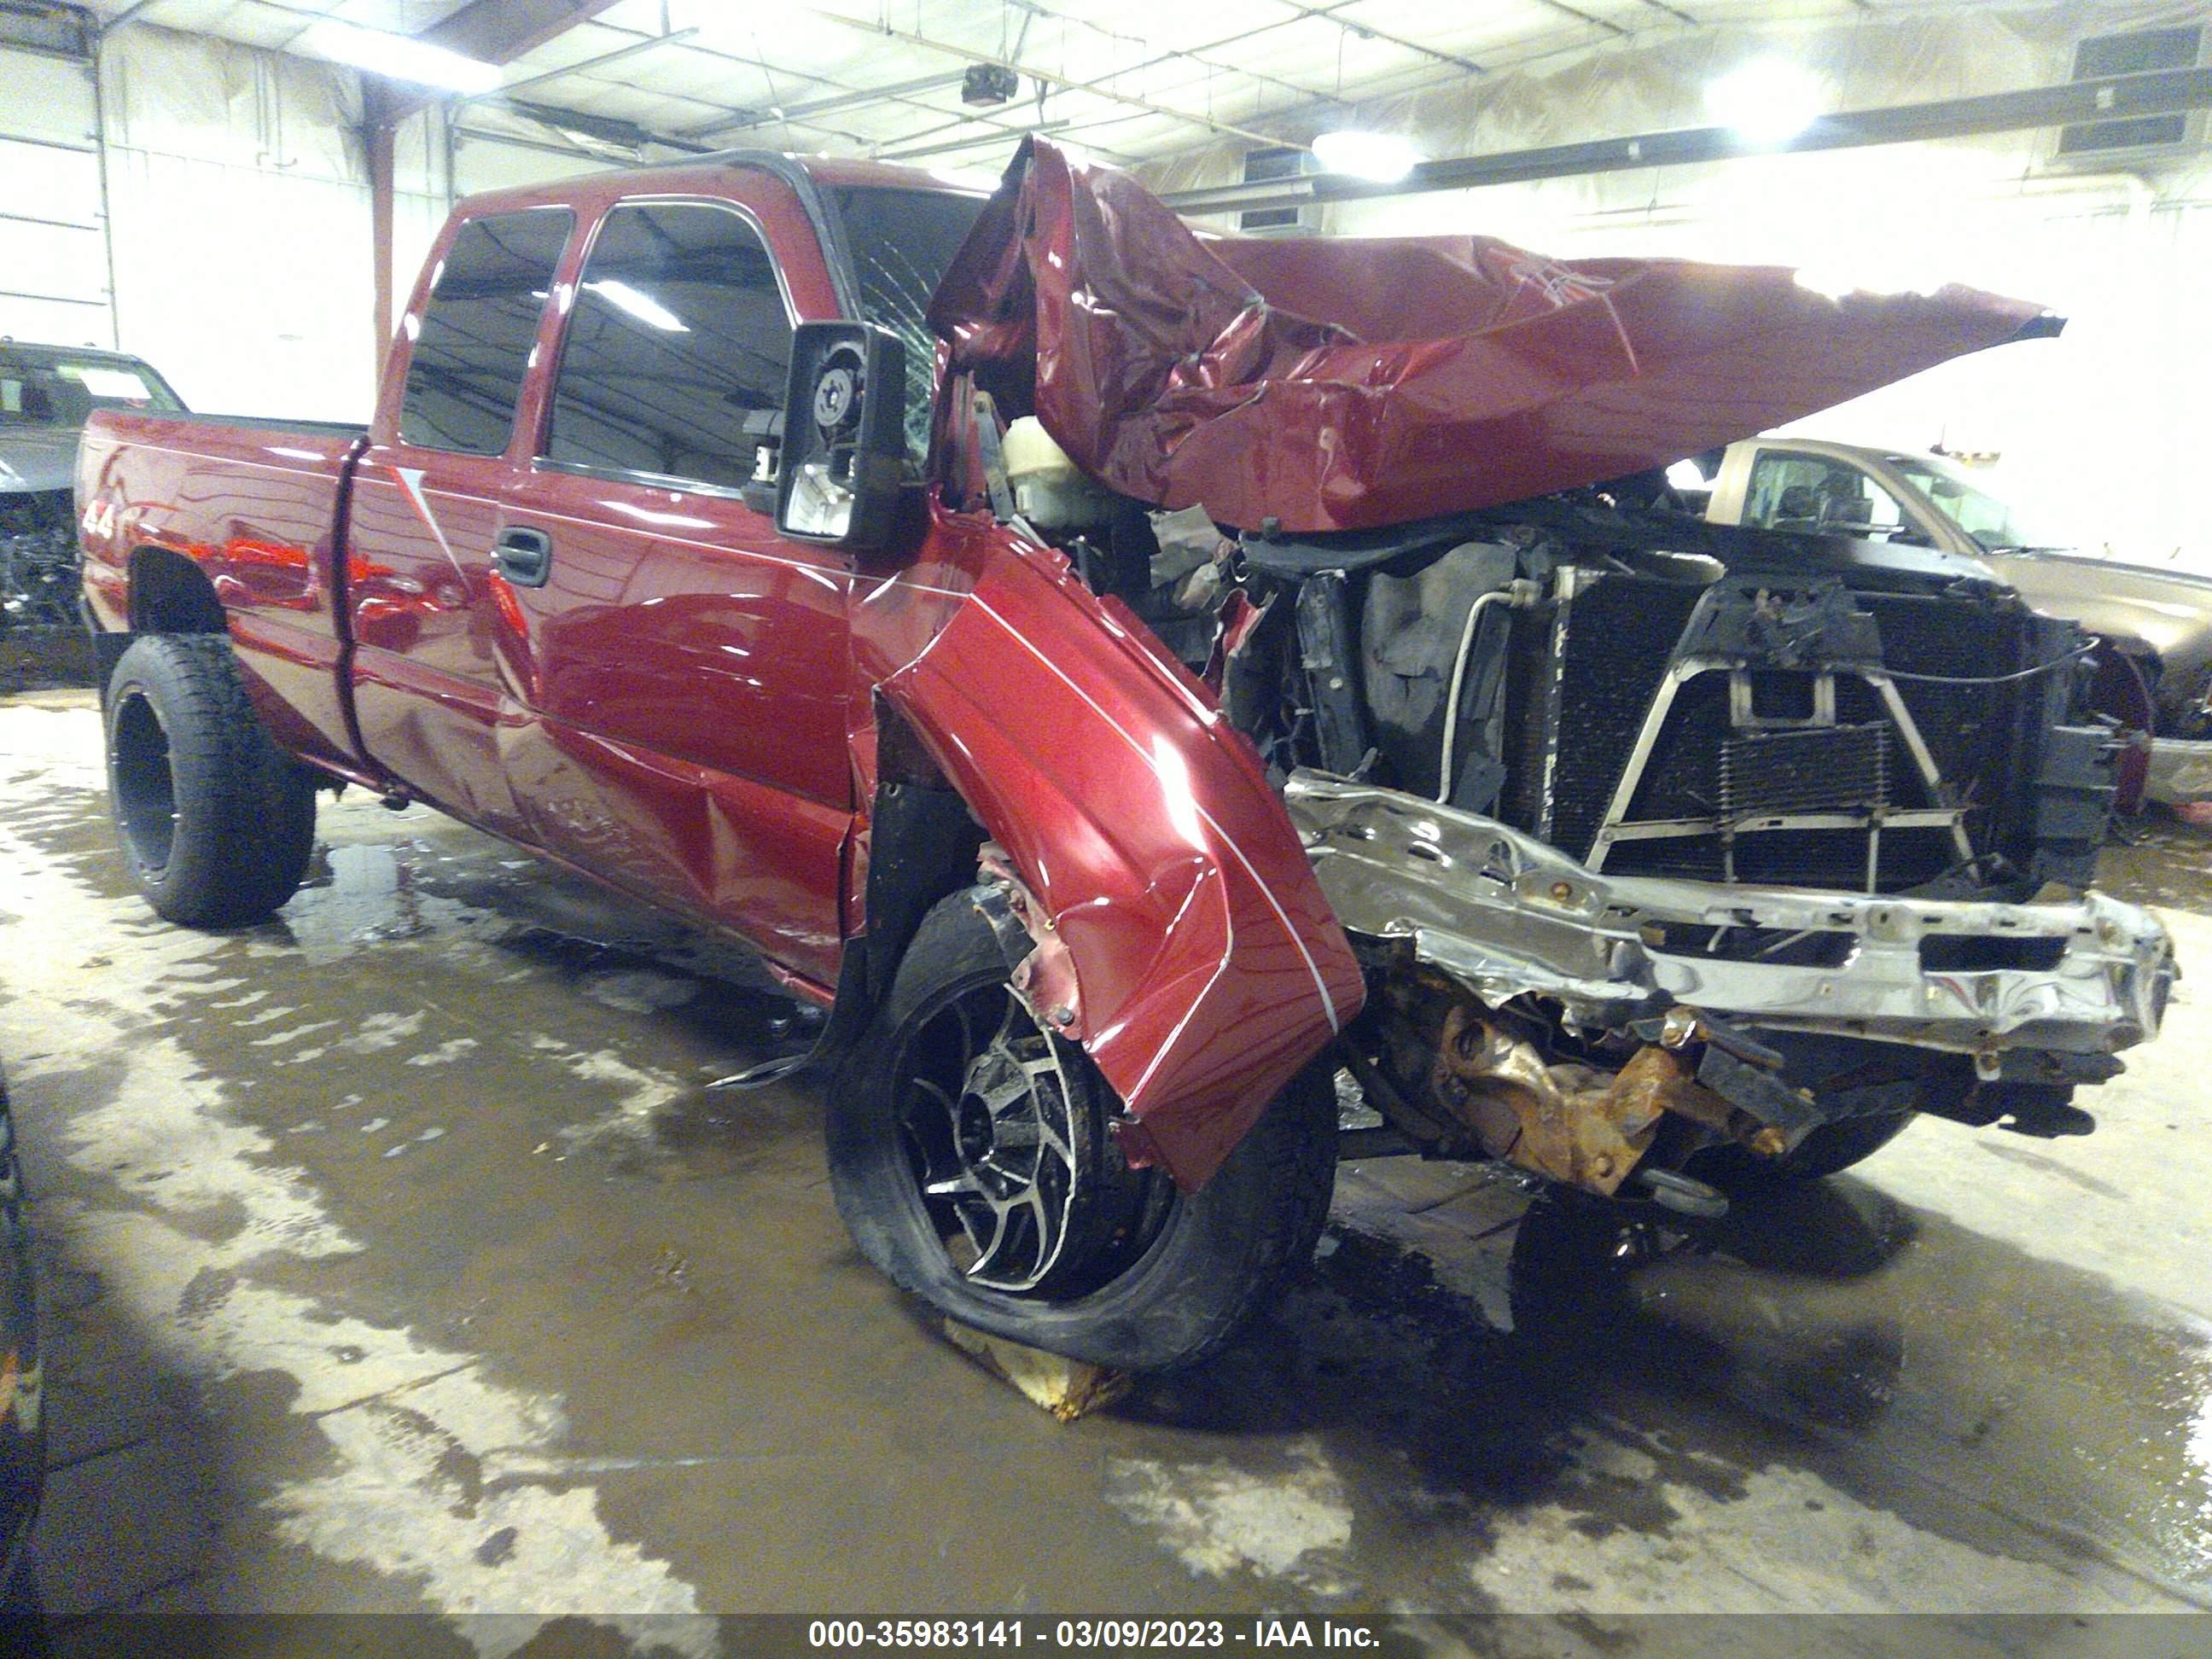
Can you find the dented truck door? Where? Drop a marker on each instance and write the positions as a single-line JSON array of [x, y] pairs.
[[424, 514], [678, 665]]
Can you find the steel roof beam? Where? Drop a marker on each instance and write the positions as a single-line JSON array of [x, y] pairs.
[[2114, 98], [620, 54], [1226, 129]]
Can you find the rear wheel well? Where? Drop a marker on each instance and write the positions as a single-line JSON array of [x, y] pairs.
[[170, 594]]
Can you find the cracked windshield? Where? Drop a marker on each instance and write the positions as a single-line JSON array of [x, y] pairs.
[[902, 241]]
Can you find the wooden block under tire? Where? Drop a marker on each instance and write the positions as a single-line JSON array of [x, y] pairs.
[[1068, 1389]]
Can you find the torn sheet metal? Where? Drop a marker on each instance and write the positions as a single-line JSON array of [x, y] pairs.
[[1507, 916], [1345, 384], [1201, 968]]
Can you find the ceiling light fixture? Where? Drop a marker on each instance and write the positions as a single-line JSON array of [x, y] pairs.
[[1769, 100], [397, 57], [1383, 157], [989, 83]]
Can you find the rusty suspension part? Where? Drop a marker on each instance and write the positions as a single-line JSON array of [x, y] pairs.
[[1568, 1122]]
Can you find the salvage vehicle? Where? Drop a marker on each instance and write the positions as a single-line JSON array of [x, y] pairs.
[[1131, 680], [2156, 671], [46, 394]]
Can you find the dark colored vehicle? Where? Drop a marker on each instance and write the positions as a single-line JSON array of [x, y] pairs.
[[1585, 835], [46, 395]]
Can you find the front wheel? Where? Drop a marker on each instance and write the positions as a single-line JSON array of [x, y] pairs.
[[215, 823], [972, 1159]]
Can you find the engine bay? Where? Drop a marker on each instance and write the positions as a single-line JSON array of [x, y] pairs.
[[1658, 838]]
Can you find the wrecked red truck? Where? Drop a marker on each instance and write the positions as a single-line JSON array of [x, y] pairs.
[[1134, 681]]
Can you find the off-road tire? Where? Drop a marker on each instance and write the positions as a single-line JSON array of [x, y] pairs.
[[215, 824], [1215, 1258]]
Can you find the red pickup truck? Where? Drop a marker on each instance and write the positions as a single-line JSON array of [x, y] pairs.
[[1129, 696]]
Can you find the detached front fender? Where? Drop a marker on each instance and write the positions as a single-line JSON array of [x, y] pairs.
[[1208, 964]]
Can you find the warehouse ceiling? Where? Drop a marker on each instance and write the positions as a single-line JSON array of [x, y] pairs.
[[1133, 82]]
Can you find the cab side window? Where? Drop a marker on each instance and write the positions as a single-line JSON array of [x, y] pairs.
[[465, 372], [678, 334], [1811, 494]]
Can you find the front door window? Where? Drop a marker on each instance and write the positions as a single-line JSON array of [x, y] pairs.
[[678, 348]]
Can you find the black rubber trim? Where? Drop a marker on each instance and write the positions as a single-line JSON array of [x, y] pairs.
[[828, 226]]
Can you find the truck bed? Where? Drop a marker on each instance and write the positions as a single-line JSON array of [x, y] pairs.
[[257, 505]]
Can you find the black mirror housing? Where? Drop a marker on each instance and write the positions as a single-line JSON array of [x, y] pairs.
[[843, 449]]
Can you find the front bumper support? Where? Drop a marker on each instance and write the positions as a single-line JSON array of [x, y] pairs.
[[1508, 916]]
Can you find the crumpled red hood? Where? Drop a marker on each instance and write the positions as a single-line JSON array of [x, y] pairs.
[[1350, 383]]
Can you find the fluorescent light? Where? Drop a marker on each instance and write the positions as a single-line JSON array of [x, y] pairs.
[[1767, 100], [397, 57], [1382, 156], [643, 306]]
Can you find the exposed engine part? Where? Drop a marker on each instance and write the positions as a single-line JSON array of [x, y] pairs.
[[1652, 838], [1520, 592], [38, 559], [1725, 709], [1050, 490], [2044, 1110], [1408, 627], [1326, 651], [1759, 1106], [1186, 542]]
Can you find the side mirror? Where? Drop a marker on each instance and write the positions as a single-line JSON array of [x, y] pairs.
[[843, 452]]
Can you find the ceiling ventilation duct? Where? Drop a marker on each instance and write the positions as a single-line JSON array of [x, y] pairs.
[[1263, 166], [2137, 53]]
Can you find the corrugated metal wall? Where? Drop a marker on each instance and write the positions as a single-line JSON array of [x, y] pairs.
[[53, 244], [234, 219]]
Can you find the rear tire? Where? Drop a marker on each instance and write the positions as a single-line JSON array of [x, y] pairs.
[[1100, 1262], [215, 824]]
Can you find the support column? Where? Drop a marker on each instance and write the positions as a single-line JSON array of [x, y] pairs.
[[378, 126]]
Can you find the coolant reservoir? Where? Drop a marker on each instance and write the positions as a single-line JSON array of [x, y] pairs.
[[1050, 490]]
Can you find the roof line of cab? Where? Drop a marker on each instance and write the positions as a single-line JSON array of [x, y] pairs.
[[805, 175]]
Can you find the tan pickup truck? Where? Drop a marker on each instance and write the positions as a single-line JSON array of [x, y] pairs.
[[2158, 622]]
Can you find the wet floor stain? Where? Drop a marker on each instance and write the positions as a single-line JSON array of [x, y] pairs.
[[470, 1098], [2159, 860]]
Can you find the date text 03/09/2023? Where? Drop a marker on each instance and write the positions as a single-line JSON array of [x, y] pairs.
[[1093, 1635]]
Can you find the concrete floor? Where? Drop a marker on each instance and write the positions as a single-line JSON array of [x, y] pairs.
[[398, 1259]]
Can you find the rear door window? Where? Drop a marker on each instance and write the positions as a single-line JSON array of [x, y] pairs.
[[678, 348], [464, 374]]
